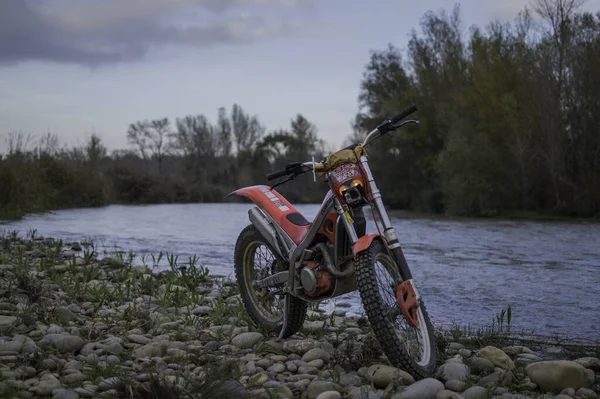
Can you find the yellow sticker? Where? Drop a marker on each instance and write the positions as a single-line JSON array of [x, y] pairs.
[[348, 217]]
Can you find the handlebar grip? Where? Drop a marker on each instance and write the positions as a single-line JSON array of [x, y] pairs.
[[290, 168], [404, 114], [275, 175]]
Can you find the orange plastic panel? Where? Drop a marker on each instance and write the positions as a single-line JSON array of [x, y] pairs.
[[277, 207]]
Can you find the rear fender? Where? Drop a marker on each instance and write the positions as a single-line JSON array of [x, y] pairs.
[[278, 208]]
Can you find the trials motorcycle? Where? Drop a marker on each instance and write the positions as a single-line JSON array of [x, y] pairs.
[[283, 261]]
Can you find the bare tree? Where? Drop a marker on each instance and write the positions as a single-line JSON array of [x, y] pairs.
[[159, 139], [151, 139], [137, 137], [247, 130]]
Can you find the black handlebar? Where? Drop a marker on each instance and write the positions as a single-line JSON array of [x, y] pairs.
[[290, 168], [404, 114], [295, 168], [389, 124]]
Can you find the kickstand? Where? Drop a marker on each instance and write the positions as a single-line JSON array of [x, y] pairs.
[[286, 307]]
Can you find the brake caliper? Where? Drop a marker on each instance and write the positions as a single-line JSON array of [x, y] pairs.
[[408, 299]]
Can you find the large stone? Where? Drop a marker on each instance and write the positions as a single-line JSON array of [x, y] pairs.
[[330, 395], [476, 393], [591, 363], [452, 371], [11, 346], [300, 346], [65, 314], [247, 340], [47, 384], [381, 375], [63, 343], [446, 394], [316, 387], [480, 365], [316, 353], [498, 357], [423, 389], [154, 349], [556, 375]]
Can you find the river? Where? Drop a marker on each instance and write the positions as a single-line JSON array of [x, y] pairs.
[[467, 270]]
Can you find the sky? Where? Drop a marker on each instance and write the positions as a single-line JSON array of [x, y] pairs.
[[77, 67]]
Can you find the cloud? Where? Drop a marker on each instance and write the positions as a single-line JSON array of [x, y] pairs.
[[95, 32]]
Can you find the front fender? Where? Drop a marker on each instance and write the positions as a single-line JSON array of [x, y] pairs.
[[364, 242]]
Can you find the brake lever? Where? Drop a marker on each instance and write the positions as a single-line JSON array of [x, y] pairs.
[[399, 125]]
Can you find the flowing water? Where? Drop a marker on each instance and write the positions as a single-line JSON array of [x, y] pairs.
[[466, 270]]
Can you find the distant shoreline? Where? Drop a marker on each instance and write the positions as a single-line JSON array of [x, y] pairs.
[[506, 216]]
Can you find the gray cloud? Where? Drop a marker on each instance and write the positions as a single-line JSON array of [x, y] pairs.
[[95, 32]]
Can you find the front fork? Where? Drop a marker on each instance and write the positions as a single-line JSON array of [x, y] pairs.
[[406, 292]]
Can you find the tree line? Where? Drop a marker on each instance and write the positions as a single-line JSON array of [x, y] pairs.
[[510, 122]]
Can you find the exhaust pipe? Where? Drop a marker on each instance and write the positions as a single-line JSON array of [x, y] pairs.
[[258, 219]]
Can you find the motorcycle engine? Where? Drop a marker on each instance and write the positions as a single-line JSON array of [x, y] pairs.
[[315, 280]]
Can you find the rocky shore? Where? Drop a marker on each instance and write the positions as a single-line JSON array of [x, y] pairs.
[[74, 324]]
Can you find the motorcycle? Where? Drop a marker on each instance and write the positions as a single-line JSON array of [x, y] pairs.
[[283, 262]]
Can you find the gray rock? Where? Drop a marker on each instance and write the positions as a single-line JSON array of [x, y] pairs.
[[422, 389], [445, 394], [591, 363], [316, 387], [350, 379], [452, 371], [48, 383], [330, 395], [7, 321], [138, 339], [476, 393], [316, 353], [63, 343], [153, 349], [381, 375], [494, 379], [277, 368], [480, 365], [65, 314], [568, 392], [11, 346], [247, 340], [64, 394], [74, 378], [364, 392], [586, 393], [212, 346], [556, 375], [317, 363], [454, 385], [300, 346]]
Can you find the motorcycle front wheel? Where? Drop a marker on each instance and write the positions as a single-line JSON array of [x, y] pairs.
[[408, 348]]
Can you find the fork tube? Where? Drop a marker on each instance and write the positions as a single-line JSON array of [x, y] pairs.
[[376, 195], [389, 232]]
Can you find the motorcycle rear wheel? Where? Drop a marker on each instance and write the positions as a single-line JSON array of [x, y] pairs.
[[252, 250], [392, 336]]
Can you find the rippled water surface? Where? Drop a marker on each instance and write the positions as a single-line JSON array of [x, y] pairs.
[[467, 270]]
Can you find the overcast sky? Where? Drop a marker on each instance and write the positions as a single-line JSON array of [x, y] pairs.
[[73, 67]]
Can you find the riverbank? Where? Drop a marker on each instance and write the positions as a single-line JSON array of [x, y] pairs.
[[76, 324]]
